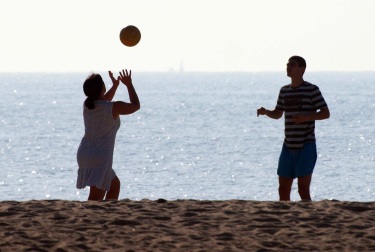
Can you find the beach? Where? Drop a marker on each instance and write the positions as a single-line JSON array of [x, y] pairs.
[[186, 225]]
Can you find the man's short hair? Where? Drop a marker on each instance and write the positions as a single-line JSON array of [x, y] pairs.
[[301, 61]]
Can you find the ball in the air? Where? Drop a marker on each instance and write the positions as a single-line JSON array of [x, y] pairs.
[[130, 35]]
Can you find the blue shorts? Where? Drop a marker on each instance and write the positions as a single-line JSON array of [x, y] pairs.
[[297, 163]]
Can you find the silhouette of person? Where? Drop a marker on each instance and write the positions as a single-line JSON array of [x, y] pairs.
[[102, 121], [303, 104]]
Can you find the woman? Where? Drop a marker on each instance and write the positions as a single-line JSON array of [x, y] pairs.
[[101, 119]]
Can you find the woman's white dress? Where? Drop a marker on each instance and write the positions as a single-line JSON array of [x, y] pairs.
[[95, 152]]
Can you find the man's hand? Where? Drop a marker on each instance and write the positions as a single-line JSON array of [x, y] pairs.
[[274, 114], [261, 111]]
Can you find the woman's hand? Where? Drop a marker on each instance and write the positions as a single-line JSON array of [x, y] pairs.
[[126, 77], [115, 82], [111, 92], [124, 108]]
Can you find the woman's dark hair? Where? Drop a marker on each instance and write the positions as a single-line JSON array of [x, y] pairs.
[[92, 87]]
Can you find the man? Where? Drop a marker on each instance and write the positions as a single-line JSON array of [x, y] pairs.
[[302, 103]]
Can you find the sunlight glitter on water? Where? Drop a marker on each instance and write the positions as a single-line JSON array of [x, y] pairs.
[[196, 136]]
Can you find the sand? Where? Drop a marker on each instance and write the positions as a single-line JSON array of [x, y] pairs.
[[186, 225]]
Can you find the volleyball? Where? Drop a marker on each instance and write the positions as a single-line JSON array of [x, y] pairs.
[[130, 35]]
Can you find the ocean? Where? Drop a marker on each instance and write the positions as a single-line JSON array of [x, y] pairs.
[[196, 136]]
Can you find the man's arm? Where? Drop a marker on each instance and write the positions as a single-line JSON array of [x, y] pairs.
[[322, 114], [274, 114]]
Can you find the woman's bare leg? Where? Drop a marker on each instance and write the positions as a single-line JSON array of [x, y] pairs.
[[96, 193], [114, 191]]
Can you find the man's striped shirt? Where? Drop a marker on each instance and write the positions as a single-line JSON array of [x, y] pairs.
[[305, 99]]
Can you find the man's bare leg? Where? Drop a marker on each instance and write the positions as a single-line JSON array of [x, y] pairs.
[[304, 187], [285, 187]]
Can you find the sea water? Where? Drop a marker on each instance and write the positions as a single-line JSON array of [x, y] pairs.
[[196, 136]]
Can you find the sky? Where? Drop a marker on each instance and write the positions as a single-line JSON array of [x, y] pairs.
[[189, 35]]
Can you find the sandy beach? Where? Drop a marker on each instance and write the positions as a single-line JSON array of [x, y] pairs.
[[186, 225]]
